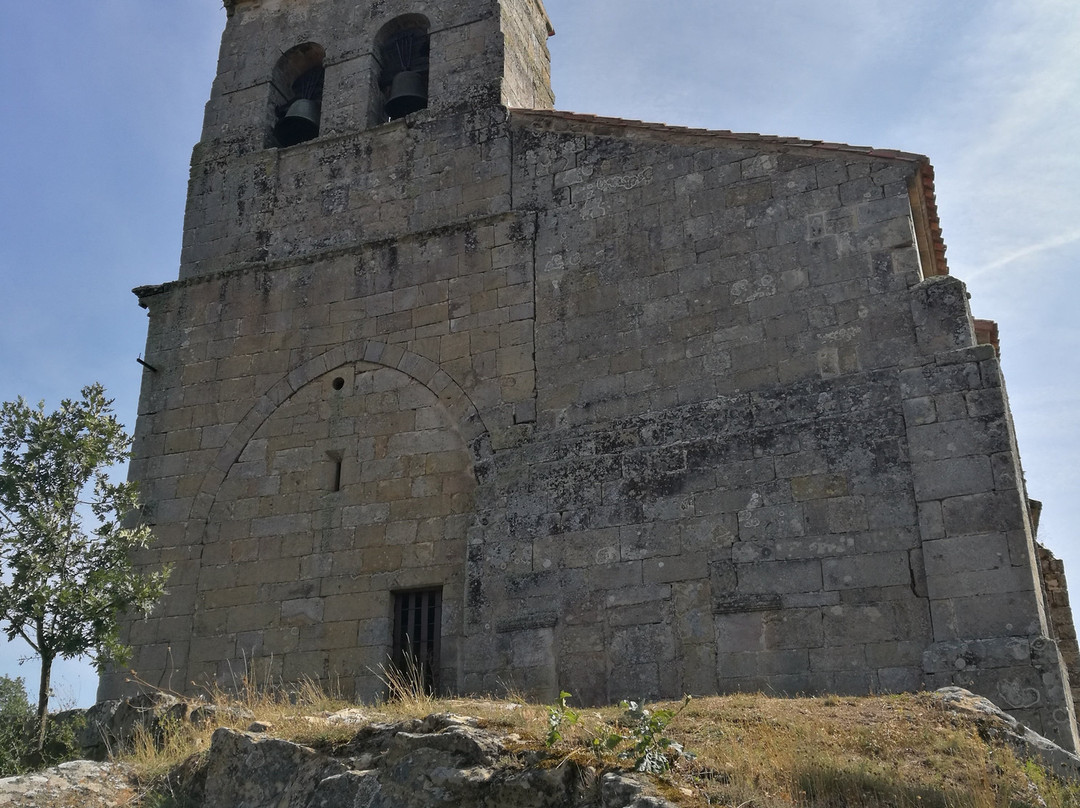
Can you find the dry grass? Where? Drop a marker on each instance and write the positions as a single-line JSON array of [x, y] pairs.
[[752, 751]]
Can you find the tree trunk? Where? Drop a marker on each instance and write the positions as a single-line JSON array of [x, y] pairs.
[[43, 702]]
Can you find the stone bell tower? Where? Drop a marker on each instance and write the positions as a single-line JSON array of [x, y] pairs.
[[351, 320], [329, 68]]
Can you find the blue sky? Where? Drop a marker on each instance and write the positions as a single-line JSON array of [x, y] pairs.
[[104, 102]]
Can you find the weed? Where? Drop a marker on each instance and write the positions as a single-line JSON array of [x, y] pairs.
[[646, 731], [559, 715], [641, 728]]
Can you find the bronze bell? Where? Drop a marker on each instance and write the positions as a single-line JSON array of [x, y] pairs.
[[300, 122], [408, 93]]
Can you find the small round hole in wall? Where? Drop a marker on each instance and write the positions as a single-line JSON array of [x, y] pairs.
[[338, 383]]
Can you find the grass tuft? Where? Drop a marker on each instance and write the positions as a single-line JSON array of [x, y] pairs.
[[407, 684]]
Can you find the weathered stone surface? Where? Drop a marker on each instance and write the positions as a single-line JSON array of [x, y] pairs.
[[1057, 599], [416, 764], [248, 770], [81, 783], [653, 410], [995, 724], [111, 727]]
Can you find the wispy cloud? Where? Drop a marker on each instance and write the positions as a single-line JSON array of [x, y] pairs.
[[1026, 252]]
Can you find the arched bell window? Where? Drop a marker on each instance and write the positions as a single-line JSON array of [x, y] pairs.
[[402, 50], [296, 94]]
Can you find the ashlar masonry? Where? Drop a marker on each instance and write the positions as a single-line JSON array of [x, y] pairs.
[[546, 400]]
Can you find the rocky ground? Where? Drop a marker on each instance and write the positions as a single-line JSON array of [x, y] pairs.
[[439, 760], [78, 784]]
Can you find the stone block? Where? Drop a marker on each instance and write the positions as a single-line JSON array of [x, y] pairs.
[[897, 654], [643, 644], [771, 522], [638, 614], [845, 514], [699, 664], [947, 557], [953, 477], [628, 596], [867, 570], [819, 486], [891, 512], [762, 664], [792, 628], [686, 567], [975, 582], [848, 624], [931, 520], [304, 612], [983, 513], [986, 615], [780, 577], [740, 632], [953, 439]]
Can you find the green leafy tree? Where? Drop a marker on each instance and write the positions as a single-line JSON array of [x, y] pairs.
[[66, 535], [15, 717]]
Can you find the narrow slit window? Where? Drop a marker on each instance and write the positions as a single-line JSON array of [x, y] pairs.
[[335, 470]]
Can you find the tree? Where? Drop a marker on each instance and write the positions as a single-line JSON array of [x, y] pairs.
[[15, 717], [67, 533]]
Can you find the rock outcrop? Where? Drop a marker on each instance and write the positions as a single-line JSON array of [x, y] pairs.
[[78, 784], [442, 760], [110, 727], [995, 725]]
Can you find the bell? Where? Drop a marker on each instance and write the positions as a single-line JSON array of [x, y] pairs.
[[408, 93], [300, 122]]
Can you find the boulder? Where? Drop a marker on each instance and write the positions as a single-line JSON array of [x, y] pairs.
[[254, 770]]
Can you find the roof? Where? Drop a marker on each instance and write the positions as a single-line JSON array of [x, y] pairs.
[[923, 197]]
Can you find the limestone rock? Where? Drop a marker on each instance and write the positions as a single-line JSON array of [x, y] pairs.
[[112, 725], [351, 715], [257, 771], [80, 783], [995, 724], [443, 760]]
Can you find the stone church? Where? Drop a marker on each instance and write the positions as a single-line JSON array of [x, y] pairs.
[[543, 400]]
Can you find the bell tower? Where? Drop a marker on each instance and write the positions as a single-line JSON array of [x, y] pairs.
[[351, 324], [466, 53], [295, 71]]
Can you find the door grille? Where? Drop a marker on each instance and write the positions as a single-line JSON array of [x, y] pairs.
[[417, 629]]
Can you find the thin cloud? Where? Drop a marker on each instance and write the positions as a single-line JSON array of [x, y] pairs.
[[1026, 252], [1005, 107]]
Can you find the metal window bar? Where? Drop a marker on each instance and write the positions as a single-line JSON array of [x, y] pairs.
[[417, 630]]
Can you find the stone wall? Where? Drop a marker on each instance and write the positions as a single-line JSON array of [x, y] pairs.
[[659, 410], [1056, 592]]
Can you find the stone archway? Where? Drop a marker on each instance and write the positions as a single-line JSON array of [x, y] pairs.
[[355, 486]]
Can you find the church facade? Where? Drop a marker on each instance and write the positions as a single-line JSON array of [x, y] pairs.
[[548, 401]]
